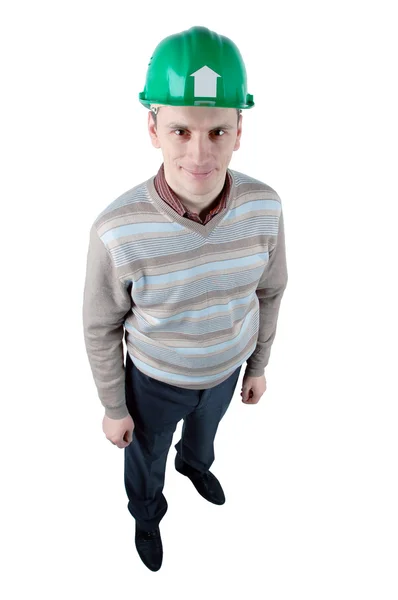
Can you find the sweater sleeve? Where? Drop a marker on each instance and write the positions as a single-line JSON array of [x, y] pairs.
[[269, 291], [105, 306]]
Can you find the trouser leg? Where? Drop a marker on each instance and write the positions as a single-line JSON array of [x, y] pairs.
[[144, 475], [196, 446], [156, 408]]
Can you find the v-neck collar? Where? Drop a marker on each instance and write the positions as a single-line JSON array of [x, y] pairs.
[[203, 230]]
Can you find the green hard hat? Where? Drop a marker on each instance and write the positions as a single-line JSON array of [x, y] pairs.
[[196, 67]]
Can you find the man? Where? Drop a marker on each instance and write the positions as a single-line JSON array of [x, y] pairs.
[[190, 265]]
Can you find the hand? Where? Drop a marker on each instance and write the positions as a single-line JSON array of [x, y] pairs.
[[118, 431], [252, 389]]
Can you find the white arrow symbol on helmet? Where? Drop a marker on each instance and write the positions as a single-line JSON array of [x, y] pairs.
[[205, 82]]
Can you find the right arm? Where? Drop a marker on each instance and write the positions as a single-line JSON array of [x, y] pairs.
[[105, 306]]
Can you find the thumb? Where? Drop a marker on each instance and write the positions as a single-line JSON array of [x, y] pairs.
[[246, 394], [128, 436]]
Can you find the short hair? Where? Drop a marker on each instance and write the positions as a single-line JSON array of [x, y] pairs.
[[154, 116]]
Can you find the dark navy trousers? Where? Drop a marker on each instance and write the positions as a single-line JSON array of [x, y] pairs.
[[156, 408]]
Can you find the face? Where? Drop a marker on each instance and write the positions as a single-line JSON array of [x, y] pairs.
[[197, 145]]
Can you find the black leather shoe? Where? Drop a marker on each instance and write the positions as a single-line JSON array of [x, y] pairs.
[[206, 483], [149, 547]]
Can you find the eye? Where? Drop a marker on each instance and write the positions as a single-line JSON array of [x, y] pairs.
[[184, 130]]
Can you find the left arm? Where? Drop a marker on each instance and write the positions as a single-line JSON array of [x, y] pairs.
[[270, 290]]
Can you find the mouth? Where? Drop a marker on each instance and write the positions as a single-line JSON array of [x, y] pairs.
[[199, 175]]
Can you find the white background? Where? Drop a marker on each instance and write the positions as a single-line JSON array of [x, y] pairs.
[[310, 472]]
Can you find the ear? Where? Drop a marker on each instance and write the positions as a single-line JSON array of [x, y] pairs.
[[238, 134], [152, 131]]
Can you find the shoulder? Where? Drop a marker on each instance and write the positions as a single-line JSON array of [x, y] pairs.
[[122, 206], [247, 184], [249, 189]]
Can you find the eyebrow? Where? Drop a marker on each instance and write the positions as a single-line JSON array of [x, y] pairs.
[[180, 126]]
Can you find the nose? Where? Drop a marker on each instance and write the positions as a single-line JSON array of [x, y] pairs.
[[199, 150]]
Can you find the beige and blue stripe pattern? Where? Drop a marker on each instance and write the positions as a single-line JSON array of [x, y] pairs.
[[195, 301]]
